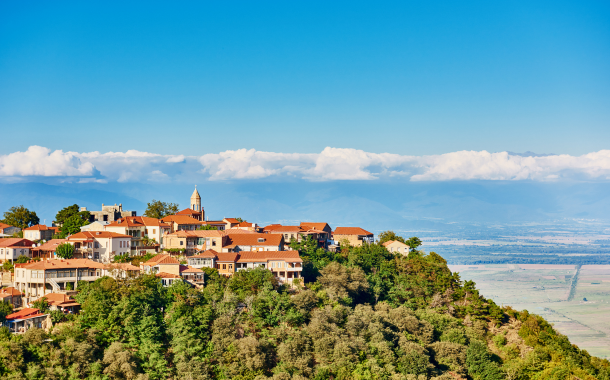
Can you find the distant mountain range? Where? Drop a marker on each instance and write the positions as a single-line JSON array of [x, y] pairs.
[[374, 205]]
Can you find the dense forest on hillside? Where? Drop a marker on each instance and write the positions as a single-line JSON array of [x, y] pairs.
[[362, 313]]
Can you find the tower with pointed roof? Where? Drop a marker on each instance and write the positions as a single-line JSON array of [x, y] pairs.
[[196, 200]]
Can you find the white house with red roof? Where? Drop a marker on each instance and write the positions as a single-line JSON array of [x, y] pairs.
[[12, 248], [100, 246], [356, 236], [21, 321], [40, 232]]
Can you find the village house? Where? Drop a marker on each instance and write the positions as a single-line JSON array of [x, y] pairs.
[[285, 265], [12, 296], [225, 263], [246, 226], [6, 230], [37, 279], [298, 233], [21, 321], [254, 242], [143, 230], [205, 259], [161, 263], [355, 236], [181, 223], [100, 246], [40, 232], [396, 246], [48, 249], [12, 248], [129, 226], [194, 276], [61, 302], [198, 240]]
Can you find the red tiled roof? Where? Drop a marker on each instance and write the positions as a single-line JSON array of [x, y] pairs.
[[122, 266], [51, 245], [11, 291], [351, 231], [38, 227], [15, 242], [393, 241], [129, 221], [63, 264], [317, 226], [210, 253], [4, 225], [57, 299], [226, 256], [24, 313], [180, 219], [189, 270], [161, 259], [286, 229], [245, 224], [271, 227], [257, 256], [238, 231], [86, 235], [274, 240], [232, 220]]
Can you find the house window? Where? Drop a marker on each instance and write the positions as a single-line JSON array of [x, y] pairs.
[[96, 255], [224, 266], [230, 266], [154, 231], [213, 243], [181, 242]]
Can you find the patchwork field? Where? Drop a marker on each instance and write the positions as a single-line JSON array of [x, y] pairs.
[[575, 299]]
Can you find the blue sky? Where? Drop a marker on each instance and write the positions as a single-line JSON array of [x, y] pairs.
[[410, 78]]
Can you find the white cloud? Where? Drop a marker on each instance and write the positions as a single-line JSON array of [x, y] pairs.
[[328, 165], [40, 161]]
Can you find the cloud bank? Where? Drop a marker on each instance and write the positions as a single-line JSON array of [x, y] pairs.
[[331, 164]]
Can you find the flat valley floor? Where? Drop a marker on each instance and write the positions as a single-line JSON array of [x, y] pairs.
[[574, 298]]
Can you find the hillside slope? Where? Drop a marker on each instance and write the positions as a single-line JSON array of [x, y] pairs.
[[364, 314]]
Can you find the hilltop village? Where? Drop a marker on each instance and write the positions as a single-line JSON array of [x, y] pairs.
[[43, 264]]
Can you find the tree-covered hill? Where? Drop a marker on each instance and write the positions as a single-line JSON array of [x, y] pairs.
[[363, 313]]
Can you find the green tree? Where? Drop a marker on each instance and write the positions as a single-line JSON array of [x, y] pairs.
[[22, 259], [19, 216], [413, 243], [388, 236], [207, 227], [5, 309], [67, 212], [65, 251], [148, 241], [158, 209], [72, 225], [8, 266], [41, 304], [251, 281]]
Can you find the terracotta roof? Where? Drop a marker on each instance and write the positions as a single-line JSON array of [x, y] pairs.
[[4, 225], [86, 235], [161, 259], [226, 257], [10, 291], [15, 242], [271, 227], [232, 220], [351, 231], [393, 241], [317, 226], [210, 253], [188, 211], [198, 233], [51, 245], [286, 229], [215, 222], [180, 219], [38, 227], [24, 313], [185, 269], [258, 256], [130, 221], [57, 299], [238, 231], [274, 240], [63, 264], [167, 275]]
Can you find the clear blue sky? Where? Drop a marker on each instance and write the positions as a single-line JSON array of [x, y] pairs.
[[296, 76]]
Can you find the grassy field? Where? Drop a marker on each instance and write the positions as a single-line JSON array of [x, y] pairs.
[[578, 308]]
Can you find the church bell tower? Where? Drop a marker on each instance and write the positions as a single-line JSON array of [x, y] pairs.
[[196, 200]]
